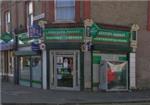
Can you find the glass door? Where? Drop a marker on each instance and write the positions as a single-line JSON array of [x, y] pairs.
[[65, 69], [64, 72], [24, 67]]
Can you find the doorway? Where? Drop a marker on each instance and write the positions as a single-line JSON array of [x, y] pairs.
[[65, 70]]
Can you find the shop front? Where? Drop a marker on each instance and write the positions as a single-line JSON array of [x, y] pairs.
[[30, 71], [111, 59], [7, 57], [64, 58], [28, 63]]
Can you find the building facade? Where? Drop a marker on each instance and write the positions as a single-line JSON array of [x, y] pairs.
[[76, 45]]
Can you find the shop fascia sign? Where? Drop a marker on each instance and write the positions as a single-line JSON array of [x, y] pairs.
[[64, 33], [107, 35]]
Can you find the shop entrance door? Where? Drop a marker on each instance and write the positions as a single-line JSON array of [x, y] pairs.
[[65, 70]]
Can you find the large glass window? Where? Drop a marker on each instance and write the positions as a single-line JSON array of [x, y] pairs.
[[36, 71], [30, 71], [24, 68], [65, 10]]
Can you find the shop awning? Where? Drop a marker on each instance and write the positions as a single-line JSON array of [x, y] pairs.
[[6, 41]]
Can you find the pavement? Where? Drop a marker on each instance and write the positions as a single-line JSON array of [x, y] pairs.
[[18, 95]]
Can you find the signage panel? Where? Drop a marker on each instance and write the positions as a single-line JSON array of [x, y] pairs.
[[64, 34], [64, 31], [35, 31]]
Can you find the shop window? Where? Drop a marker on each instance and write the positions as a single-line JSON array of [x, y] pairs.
[[24, 68], [64, 10], [29, 14], [7, 21], [30, 70]]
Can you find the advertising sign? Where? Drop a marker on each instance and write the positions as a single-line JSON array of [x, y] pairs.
[[35, 31], [108, 35], [35, 45]]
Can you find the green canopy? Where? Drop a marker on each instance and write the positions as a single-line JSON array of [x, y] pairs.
[[6, 37]]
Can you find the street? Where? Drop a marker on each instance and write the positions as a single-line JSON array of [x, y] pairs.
[[19, 94]]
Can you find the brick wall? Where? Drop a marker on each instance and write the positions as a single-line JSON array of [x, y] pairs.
[[126, 13]]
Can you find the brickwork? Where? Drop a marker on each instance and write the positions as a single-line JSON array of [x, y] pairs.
[[125, 13]]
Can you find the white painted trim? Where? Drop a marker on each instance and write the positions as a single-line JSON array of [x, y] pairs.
[[44, 67], [132, 71]]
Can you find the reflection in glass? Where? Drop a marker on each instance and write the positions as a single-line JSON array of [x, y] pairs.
[[36, 71], [117, 75], [64, 67], [25, 71]]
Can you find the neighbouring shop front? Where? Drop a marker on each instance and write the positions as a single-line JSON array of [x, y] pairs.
[[7, 57], [111, 59], [64, 58], [29, 62]]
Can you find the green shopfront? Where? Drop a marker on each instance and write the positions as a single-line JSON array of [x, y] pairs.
[[64, 58], [29, 63], [64, 62], [7, 56], [110, 59]]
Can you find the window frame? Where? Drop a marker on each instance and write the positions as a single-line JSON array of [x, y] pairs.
[[7, 21], [64, 21], [29, 15]]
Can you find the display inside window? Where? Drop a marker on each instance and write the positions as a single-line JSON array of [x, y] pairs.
[[64, 67], [117, 75]]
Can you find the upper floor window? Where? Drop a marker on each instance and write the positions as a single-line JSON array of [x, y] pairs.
[[29, 14], [64, 10], [7, 21]]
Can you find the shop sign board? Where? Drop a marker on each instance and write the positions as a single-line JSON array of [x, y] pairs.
[[63, 37], [35, 46], [112, 36], [113, 33], [64, 33], [107, 35], [35, 31]]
